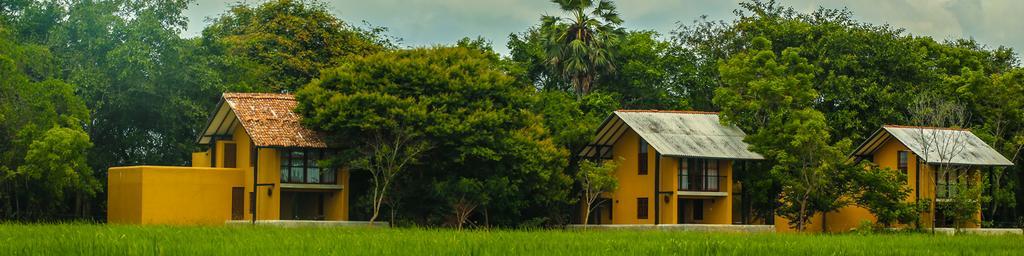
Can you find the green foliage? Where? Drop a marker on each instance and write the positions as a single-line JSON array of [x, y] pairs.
[[884, 192], [477, 121], [595, 179], [964, 201], [650, 73], [281, 45], [576, 47], [57, 162], [146, 90], [42, 144], [770, 97]]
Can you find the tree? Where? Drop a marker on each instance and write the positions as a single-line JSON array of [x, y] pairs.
[[814, 174], [934, 117], [770, 97], [595, 179], [576, 47], [477, 121], [965, 200], [464, 196], [281, 45], [42, 142], [387, 124], [883, 192], [995, 100]]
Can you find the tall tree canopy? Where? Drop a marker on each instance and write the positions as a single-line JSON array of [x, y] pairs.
[[576, 46], [770, 96], [281, 45], [484, 139], [145, 90], [43, 168]]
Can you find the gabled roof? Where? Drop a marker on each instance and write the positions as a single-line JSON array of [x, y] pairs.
[[266, 117], [968, 148], [673, 133]]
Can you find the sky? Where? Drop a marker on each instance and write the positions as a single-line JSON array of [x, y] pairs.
[[432, 22]]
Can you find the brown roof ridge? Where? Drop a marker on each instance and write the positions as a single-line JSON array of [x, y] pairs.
[[668, 111], [925, 127], [259, 95]]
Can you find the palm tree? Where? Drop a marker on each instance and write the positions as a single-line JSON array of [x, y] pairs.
[[577, 46]]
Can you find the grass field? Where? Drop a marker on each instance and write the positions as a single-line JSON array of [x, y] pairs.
[[76, 239]]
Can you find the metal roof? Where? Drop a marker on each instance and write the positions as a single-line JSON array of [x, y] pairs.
[[673, 133], [266, 117], [971, 149]]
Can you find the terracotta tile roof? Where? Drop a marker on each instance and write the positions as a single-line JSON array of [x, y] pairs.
[[270, 122]]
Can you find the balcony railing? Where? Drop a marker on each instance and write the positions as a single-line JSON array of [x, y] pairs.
[[702, 183]]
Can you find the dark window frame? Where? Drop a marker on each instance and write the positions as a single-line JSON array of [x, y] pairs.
[[643, 157], [289, 160], [902, 160], [697, 176], [642, 208]]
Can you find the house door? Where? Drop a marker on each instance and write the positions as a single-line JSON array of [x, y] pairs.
[[237, 203], [681, 211], [302, 205]]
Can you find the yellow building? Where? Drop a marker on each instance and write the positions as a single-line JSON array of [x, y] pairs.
[[675, 167], [903, 148], [219, 186]]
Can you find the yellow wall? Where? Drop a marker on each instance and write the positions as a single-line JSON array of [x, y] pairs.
[[717, 210], [124, 195], [202, 195], [201, 159], [170, 195], [631, 185], [336, 204], [850, 217]]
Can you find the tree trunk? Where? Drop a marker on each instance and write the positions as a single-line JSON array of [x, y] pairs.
[[586, 215], [801, 220], [376, 209]]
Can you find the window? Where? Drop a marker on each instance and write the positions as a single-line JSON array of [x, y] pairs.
[[230, 155], [300, 166], [711, 175], [641, 208], [698, 209], [695, 175], [700, 175], [642, 160], [947, 183], [901, 159], [684, 183]]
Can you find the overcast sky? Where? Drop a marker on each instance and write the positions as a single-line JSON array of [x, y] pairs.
[[430, 22]]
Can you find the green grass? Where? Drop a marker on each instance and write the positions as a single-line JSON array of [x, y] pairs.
[[75, 239]]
